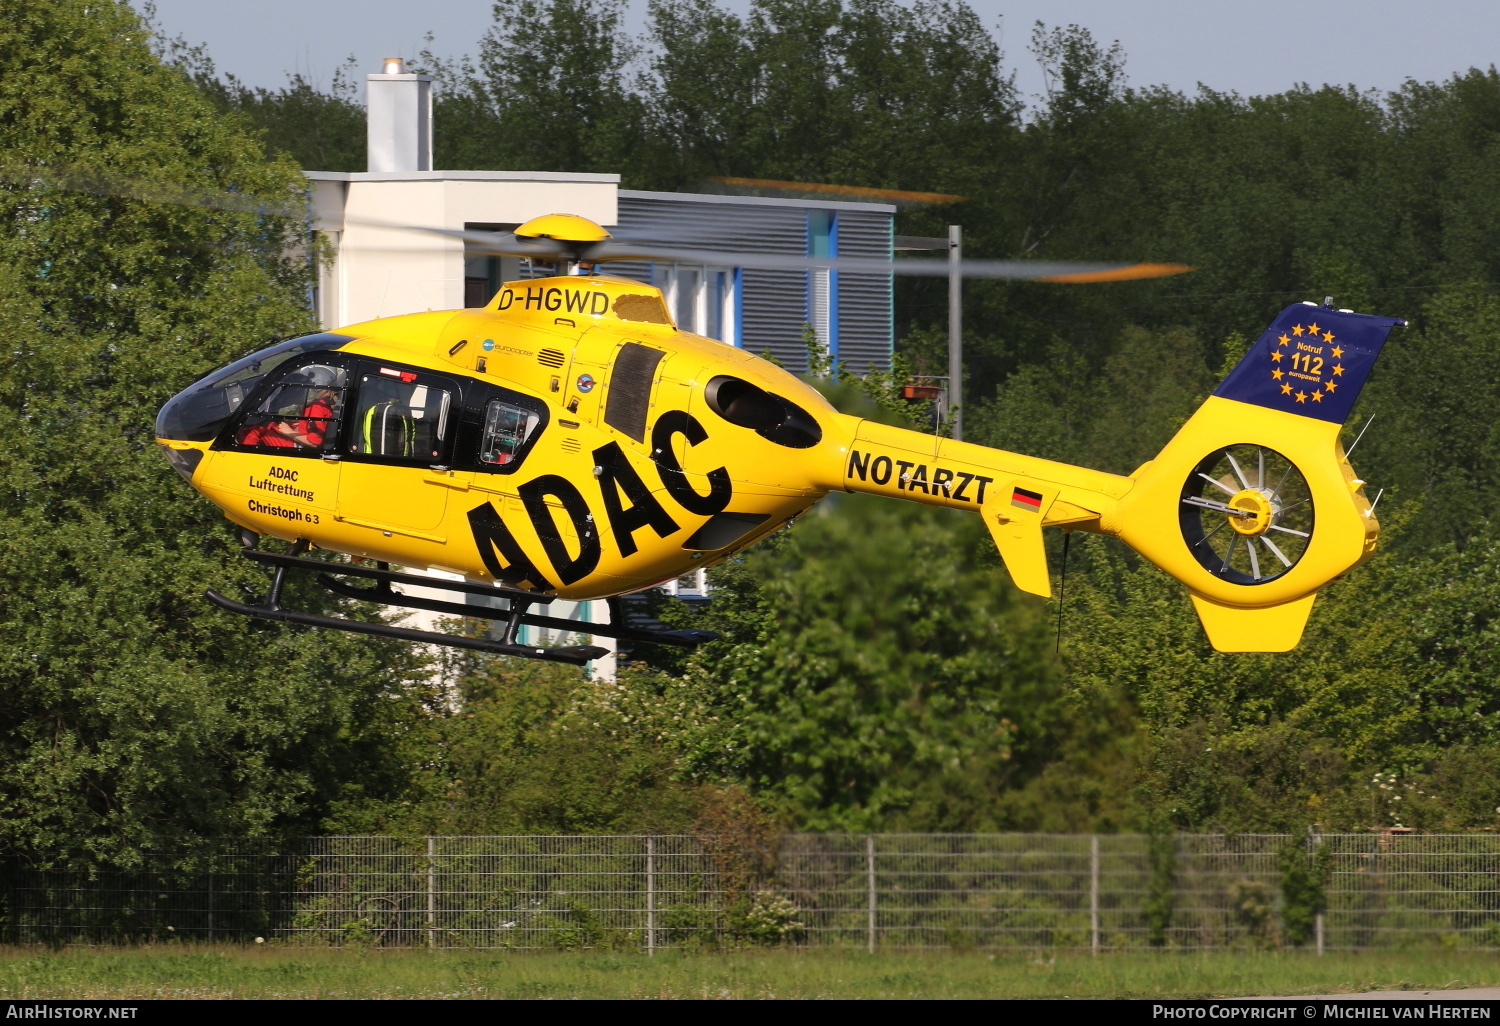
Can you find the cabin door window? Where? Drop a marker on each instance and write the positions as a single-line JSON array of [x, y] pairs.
[[397, 446]]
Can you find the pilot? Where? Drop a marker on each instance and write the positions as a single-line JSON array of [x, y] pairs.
[[317, 415]]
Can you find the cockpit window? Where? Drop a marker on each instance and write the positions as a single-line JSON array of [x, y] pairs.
[[199, 412], [507, 428], [299, 414]]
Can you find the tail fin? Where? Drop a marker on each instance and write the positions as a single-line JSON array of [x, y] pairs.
[[1253, 505]]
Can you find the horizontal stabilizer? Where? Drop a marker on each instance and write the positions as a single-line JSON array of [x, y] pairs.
[[1014, 518], [1267, 629]]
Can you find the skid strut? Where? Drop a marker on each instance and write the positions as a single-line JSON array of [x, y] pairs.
[[516, 614]]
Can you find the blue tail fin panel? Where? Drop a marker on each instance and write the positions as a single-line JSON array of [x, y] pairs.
[[1311, 361]]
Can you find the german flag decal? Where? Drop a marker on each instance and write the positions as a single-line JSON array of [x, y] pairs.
[[1026, 500]]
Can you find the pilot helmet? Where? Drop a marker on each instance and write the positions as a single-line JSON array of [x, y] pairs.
[[318, 376]]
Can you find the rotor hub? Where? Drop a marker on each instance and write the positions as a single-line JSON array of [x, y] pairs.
[[1257, 508], [563, 228]]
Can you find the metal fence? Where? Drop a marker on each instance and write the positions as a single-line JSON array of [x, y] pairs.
[[881, 891]]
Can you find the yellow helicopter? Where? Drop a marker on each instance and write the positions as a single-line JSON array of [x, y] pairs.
[[569, 441]]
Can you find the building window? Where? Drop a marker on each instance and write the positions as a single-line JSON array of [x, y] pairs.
[[701, 298], [479, 280], [823, 283]]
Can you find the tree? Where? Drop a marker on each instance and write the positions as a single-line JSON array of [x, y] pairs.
[[1426, 445], [532, 747], [549, 91], [898, 685], [131, 710], [321, 131]]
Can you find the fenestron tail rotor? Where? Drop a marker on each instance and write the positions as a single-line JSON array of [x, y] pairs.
[[1246, 514]]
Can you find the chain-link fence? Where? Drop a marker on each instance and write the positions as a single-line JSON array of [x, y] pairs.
[[991, 891]]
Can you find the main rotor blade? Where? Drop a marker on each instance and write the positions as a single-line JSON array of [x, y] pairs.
[[99, 183], [752, 186], [610, 250], [495, 243], [1015, 270]]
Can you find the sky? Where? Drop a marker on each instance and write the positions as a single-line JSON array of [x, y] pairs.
[[1251, 48]]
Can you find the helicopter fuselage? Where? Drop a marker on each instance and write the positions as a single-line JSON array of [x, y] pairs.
[[568, 440], [561, 440]]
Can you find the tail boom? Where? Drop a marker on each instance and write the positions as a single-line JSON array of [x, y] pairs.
[[903, 464], [1017, 495], [1252, 506]]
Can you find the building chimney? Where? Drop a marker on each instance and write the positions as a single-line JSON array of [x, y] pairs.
[[399, 119]]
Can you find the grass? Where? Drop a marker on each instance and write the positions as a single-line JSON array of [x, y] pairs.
[[226, 971]]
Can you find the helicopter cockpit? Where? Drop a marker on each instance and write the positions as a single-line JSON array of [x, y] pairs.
[[298, 399], [200, 412]]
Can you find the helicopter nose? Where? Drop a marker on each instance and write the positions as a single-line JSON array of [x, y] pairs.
[[184, 458]]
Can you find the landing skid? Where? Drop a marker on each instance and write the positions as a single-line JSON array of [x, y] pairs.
[[514, 617]]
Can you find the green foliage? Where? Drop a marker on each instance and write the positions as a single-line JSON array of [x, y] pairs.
[[888, 95], [97, 972], [1427, 445], [1114, 416], [319, 130], [765, 920], [132, 710], [573, 928], [868, 694], [874, 395], [1304, 882], [740, 838], [1278, 741], [690, 927], [1255, 911], [1161, 891], [539, 748], [548, 91]]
